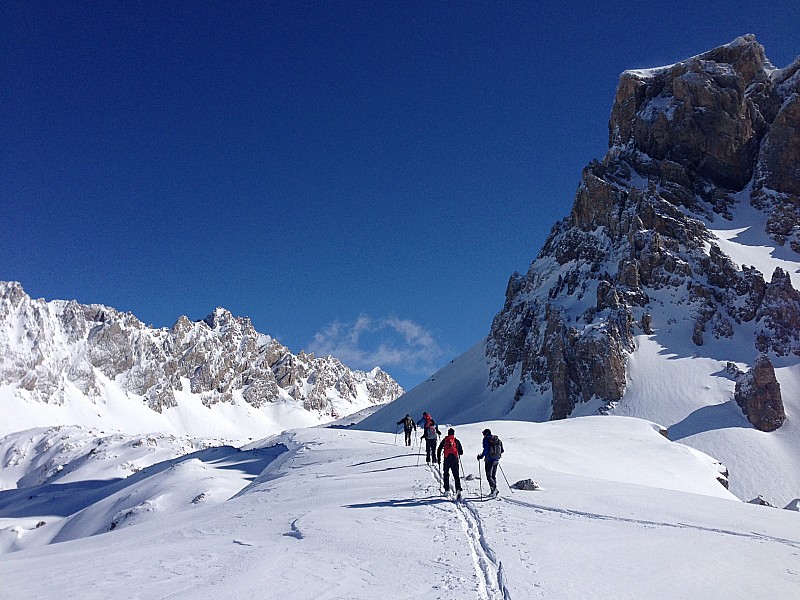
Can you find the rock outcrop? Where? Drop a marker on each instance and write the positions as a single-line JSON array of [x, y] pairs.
[[689, 144], [758, 393], [48, 347]]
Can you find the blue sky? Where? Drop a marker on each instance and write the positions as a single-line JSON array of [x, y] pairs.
[[359, 178]]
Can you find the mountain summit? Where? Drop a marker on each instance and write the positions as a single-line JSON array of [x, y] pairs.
[[693, 146], [70, 363], [674, 275]]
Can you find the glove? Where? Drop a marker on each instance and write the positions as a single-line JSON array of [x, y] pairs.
[[479, 456]]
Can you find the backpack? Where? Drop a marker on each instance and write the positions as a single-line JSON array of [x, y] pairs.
[[408, 423], [450, 446], [430, 430], [495, 448]]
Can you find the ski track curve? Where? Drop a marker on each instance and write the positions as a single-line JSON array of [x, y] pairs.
[[488, 569], [589, 515]]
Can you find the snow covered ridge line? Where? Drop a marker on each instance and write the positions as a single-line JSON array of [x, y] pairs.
[[63, 359], [738, 43]]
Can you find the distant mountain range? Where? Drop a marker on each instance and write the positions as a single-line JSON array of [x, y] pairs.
[[65, 363], [670, 291]]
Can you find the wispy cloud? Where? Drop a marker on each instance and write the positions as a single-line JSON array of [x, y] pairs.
[[385, 342]]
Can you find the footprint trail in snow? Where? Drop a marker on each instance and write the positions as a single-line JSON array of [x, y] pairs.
[[488, 569]]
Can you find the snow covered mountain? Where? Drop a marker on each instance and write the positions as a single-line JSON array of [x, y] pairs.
[[64, 363], [330, 513], [670, 291]]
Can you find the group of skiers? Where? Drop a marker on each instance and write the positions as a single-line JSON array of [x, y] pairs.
[[451, 448]]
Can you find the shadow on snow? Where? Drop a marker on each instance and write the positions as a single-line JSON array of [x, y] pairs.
[[64, 499], [727, 415]]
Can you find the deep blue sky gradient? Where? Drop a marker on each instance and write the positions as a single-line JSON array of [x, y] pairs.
[[359, 177]]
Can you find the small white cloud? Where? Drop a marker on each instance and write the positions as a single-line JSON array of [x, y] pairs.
[[387, 342]]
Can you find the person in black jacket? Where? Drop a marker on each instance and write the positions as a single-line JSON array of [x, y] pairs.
[[408, 425], [492, 451], [452, 449]]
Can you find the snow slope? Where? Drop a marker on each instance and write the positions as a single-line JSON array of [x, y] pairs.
[[114, 410], [335, 513]]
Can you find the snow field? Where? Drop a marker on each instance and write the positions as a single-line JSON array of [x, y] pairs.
[[357, 515]]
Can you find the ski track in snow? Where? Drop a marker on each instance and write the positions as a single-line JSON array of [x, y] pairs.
[[587, 515], [488, 569]]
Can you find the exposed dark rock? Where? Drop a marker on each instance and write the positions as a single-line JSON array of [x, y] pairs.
[[760, 501], [779, 314], [758, 393], [647, 323]]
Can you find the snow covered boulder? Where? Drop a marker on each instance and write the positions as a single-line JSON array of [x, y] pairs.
[[760, 501], [526, 484]]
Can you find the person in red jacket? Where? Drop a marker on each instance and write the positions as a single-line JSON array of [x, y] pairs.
[[452, 449], [430, 433]]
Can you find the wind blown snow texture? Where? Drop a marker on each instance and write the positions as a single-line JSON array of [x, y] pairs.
[[332, 513]]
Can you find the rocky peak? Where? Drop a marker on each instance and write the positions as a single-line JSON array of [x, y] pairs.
[[688, 144], [698, 114], [220, 319], [12, 292]]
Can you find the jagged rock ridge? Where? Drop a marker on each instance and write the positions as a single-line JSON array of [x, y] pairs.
[[47, 347], [688, 144]]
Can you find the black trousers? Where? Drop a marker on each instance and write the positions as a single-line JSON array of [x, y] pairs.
[[408, 437], [430, 450], [491, 472], [451, 464]]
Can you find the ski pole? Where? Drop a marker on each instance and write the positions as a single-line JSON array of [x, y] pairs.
[[396, 429], [419, 449], [463, 472], [480, 481], [506, 478]]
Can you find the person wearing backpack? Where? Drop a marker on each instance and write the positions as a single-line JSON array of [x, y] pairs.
[[492, 452], [430, 433], [424, 420], [452, 449], [408, 425]]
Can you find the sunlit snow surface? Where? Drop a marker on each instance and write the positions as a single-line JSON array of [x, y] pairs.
[[332, 513], [749, 245]]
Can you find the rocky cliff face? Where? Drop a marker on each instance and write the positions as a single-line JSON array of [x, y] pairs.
[[48, 347], [689, 145]]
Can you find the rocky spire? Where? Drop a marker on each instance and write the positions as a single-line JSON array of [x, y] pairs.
[[758, 393]]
